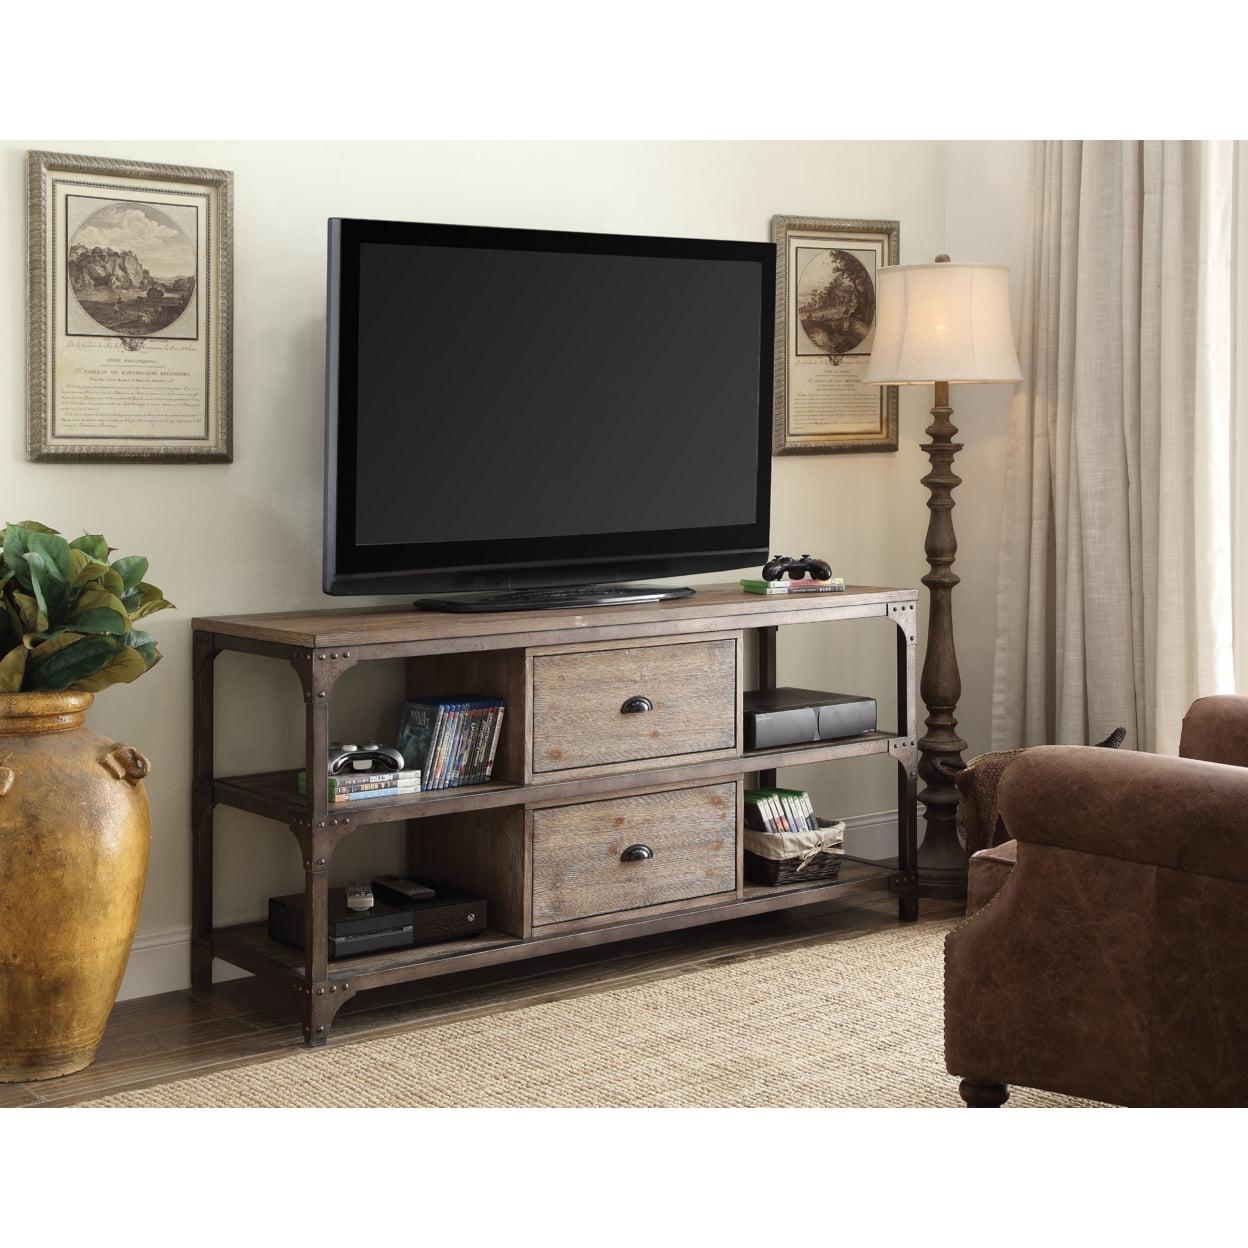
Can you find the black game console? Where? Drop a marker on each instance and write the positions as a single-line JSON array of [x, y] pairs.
[[448, 915], [780, 717]]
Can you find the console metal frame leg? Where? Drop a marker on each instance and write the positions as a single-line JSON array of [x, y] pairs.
[[767, 679], [318, 832], [905, 752], [203, 806]]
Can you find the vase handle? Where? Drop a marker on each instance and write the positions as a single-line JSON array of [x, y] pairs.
[[124, 762]]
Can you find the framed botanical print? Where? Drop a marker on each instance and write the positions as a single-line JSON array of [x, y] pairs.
[[825, 324], [129, 311]]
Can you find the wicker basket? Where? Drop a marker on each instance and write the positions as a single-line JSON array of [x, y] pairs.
[[820, 866]]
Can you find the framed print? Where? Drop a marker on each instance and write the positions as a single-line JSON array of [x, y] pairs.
[[825, 323], [129, 311]]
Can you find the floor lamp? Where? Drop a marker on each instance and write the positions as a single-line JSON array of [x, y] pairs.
[[938, 324]]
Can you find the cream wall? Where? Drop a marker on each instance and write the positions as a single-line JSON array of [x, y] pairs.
[[246, 536]]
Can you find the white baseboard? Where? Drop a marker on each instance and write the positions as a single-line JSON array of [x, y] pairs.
[[872, 836], [161, 961]]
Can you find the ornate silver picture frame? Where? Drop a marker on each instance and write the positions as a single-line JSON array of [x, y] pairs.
[[825, 323], [129, 311]]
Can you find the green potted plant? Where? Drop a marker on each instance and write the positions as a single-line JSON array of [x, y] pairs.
[[74, 825]]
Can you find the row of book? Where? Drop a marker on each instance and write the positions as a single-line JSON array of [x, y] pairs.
[[355, 786], [753, 586], [452, 741], [780, 810]]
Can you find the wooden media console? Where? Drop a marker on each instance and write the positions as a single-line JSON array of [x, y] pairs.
[[578, 781]]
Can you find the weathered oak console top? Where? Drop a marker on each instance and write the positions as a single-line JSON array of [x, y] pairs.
[[712, 607]]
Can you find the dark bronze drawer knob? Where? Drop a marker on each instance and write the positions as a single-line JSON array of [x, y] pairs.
[[635, 706], [637, 853]]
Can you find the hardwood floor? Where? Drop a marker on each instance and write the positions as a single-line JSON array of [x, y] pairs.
[[179, 1034]]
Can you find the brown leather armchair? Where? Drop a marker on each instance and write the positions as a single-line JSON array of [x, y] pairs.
[[1108, 955]]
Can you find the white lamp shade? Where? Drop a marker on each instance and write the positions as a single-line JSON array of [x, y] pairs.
[[943, 322]]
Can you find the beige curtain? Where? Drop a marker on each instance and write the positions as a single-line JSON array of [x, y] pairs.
[[1115, 579]]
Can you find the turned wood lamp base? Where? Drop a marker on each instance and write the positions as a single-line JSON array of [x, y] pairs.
[[952, 320], [942, 859]]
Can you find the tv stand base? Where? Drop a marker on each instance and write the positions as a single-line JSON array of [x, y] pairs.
[[564, 596]]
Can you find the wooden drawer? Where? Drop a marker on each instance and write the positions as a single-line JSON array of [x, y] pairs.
[[579, 864], [687, 692]]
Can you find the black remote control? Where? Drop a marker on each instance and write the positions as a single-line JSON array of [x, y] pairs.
[[400, 891]]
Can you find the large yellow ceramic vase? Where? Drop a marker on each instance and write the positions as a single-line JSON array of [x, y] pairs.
[[74, 839]]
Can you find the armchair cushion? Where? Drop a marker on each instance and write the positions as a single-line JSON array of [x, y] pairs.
[[1168, 812], [1216, 730]]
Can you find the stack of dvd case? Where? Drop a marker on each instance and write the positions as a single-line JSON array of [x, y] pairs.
[[779, 810], [451, 740], [353, 786]]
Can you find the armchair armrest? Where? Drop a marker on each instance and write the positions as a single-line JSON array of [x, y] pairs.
[[1216, 729], [1168, 812]]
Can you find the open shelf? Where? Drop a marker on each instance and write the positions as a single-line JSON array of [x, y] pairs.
[[275, 794], [855, 871], [249, 945]]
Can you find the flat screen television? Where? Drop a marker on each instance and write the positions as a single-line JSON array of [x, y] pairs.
[[524, 409]]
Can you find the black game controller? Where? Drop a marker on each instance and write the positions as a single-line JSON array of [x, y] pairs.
[[368, 757], [796, 568]]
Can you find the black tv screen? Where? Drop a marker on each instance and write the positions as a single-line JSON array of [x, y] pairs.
[[525, 408]]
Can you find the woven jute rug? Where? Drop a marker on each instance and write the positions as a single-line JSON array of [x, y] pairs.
[[849, 1022]]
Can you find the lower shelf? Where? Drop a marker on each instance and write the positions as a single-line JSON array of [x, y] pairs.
[[250, 947]]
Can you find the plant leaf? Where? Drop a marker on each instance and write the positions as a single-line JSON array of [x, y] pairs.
[[92, 599], [150, 600], [93, 545], [35, 527], [53, 642], [29, 617], [56, 665], [82, 568], [144, 643], [132, 569], [99, 620], [126, 665], [51, 590], [30, 614], [54, 548], [15, 546], [12, 669]]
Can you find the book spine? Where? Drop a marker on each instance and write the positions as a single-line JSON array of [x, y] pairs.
[[361, 796], [782, 815], [773, 814], [796, 815], [754, 816], [476, 754], [480, 739], [440, 754], [348, 779], [459, 773], [416, 727], [435, 746], [448, 744], [812, 820], [496, 733], [471, 719], [458, 715], [402, 779]]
